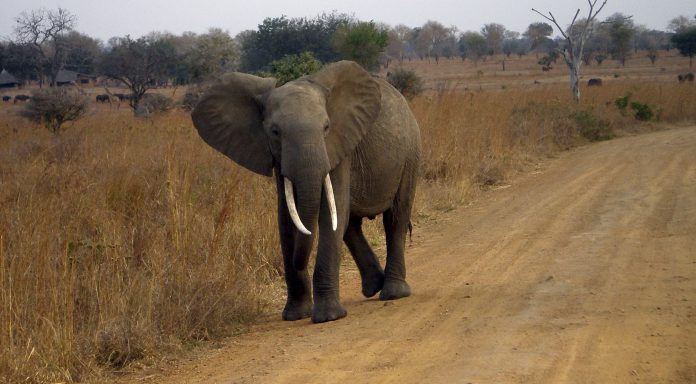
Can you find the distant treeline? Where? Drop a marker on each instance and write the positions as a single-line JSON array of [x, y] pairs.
[[37, 54]]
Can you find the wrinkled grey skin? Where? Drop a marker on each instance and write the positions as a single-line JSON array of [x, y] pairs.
[[340, 121]]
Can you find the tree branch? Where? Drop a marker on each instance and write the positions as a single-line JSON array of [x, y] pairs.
[[553, 20]]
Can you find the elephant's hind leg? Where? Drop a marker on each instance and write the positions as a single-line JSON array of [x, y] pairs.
[[370, 271], [396, 222]]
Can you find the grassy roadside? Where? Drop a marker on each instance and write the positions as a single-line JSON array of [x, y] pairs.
[[125, 239]]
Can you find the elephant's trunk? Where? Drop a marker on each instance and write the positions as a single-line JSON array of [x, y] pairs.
[[308, 198], [305, 169], [292, 208]]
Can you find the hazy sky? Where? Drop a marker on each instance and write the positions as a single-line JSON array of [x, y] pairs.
[[108, 18]]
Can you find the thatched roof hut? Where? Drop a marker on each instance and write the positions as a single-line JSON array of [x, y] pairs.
[[7, 80]]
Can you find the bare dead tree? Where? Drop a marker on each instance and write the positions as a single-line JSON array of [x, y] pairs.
[[42, 30], [572, 54]]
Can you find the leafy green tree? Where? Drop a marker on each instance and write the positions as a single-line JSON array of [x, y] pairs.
[[494, 34], [280, 36], [81, 52], [139, 64], [22, 61], [212, 54], [621, 31], [472, 45], [538, 33], [361, 42], [685, 41], [292, 67]]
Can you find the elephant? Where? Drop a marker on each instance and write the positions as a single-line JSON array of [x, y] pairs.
[[342, 144]]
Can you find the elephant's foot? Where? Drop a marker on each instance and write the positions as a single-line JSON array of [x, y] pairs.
[[327, 310], [297, 310], [394, 289], [372, 284]]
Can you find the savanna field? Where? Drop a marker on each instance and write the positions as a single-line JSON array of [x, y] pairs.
[[126, 241]]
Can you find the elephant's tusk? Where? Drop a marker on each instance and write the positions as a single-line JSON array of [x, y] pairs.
[[332, 202], [290, 200]]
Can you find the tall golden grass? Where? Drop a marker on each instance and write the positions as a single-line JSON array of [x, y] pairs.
[[125, 239]]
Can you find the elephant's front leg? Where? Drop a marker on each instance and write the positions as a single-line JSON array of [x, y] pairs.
[[299, 302], [327, 306]]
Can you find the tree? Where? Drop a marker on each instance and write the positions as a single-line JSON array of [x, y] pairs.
[[23, 61], [43, 30], [435, 40], [538, 33], [685, 41], [399, 42], [621, 31], [494, 34], [280, 36], [139, 64], [81, 52], [472, 45], [680, 23], [292, 67], [511, 43], [212, 54], [54, 107], [575, 43], [361, 42]]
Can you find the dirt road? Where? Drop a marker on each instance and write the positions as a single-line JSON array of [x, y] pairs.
[[583, 272]]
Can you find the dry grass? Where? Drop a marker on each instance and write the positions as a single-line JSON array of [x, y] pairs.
[[125, 239]]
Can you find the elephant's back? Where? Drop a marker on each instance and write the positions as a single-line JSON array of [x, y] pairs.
[[389, 152]]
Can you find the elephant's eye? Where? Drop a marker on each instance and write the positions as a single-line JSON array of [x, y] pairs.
[[326, 128], [274, 131]]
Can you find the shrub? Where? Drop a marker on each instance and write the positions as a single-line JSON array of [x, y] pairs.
[[153, 103], [292, 67], [622, 102], [55, 106], [407, 82], [191, 97], [642, 111], [590, 127]]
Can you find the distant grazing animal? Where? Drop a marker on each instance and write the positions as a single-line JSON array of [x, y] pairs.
[[545, 68], [21, 98], [6, 98], [594, 83], [686, 77], [123, 96], [103, 98]]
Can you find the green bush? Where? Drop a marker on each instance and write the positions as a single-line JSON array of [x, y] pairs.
[[292, 67], [590, 127], [641, 111], [407, 82], [622, 103]]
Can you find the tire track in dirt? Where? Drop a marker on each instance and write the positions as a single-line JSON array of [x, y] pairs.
[[585, 272]]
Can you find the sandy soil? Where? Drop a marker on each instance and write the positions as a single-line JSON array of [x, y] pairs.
[[582, 272]]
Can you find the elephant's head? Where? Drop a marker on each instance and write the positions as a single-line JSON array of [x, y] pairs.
[[305, 127]]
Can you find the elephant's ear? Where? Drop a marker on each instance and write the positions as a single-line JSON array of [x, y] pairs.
[[229, 118], [353, 104]]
